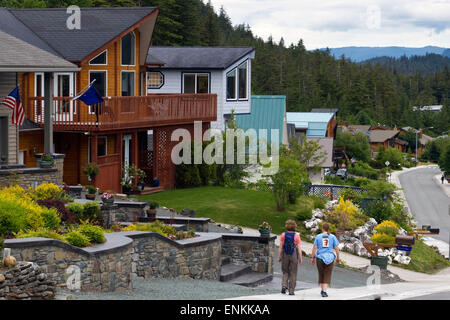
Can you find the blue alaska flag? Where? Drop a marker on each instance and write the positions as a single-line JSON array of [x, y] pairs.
[[90, 96]]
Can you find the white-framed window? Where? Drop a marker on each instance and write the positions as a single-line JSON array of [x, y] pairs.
[[100, 60], [101, 84], [128, 49], [127, 83], [237, 82], [155, 80], [195, 83]]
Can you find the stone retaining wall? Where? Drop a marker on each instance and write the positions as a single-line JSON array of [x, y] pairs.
[[258, 252], [26, 281], [28, 177]]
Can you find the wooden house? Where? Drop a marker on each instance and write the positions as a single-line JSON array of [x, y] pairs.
[[111, 47]]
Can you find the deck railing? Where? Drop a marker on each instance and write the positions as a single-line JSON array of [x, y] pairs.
[[126, 112]]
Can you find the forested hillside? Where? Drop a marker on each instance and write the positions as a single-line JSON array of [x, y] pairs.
[[363, 93], [430, 63]]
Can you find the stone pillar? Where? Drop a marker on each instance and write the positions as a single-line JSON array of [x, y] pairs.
[[58, 164], [109, 214]]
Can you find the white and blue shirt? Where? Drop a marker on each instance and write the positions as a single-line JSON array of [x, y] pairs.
[[325, 247]]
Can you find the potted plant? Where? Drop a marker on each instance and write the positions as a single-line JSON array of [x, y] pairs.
[[151, 212], [265, 229], [155, 182], [46, 161], [91, 191], [127, 179], [91, 170], [141, 177], [107, 198]]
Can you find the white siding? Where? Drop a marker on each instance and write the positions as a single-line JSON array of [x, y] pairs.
[[7, 84], [172, 84]]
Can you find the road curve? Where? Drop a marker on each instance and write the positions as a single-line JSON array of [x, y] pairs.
[[426, 200]]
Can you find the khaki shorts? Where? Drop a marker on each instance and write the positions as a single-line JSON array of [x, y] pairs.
[[325, 271]]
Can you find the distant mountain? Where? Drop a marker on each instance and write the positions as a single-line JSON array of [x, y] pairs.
[[429, 63], [359, 54], [446, 53]]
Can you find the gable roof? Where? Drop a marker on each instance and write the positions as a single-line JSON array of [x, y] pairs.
[[380, 135], [19, 56], [315, 123], [267, 112], [99, 26], [196, 57]]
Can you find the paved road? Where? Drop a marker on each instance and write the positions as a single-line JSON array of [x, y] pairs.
[[427, 201], [435, 296]]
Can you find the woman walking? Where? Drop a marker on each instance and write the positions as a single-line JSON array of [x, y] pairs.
[[323, 251], [289, 254]]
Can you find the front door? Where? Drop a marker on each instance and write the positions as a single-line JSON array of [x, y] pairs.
[[63, 87]]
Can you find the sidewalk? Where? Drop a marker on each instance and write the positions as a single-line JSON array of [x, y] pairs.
[[444, 186]]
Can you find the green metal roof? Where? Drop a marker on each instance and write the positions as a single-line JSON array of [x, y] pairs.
[[267, 112]]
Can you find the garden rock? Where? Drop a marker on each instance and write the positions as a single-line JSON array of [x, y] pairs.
[[331, 204], [318, 213], [402, 259]]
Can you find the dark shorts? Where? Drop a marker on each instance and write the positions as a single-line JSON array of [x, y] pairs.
[[325, 271]]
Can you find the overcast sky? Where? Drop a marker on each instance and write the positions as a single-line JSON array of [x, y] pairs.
[[339, 23]]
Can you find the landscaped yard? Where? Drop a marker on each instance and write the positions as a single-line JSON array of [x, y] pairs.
[[246, 208], [425, 259]]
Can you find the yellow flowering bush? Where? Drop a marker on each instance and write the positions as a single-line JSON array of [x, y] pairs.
[[346, 215], [383, 238], [388, 227], [18, 212], [45, 191]]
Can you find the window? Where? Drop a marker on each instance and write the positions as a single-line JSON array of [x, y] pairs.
[[128, 49], [155, 80], [102, 143], [242, 70], [127, 83], [195, 83], [237, 83], [231, 85], [99, 85], [101, 59]]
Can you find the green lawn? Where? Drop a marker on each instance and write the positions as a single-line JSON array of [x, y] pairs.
[[246, 208], [425, 259]]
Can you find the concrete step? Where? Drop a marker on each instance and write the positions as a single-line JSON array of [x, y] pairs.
[[226, 260], [231, 271], [252, 279]]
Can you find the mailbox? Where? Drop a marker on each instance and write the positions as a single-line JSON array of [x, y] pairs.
[[434, 230], [404, 240], [426, 227]]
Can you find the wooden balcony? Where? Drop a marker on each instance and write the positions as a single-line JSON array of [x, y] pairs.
[[126, 112]]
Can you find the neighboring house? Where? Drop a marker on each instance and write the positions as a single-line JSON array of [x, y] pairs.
[[17, 57], [268, 112], [326, 146], [225, 71], [111, 48], [422, 140], [313, 124], [387, 139]]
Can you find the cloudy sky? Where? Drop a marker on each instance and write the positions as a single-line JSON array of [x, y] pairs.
[[339, 23]]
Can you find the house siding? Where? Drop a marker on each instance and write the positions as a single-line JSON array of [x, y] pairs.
[[7, 84], [173, 84]]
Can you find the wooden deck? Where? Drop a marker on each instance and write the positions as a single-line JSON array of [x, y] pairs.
[[126, 112]]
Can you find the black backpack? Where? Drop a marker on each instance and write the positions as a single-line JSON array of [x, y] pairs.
[[289, 246]]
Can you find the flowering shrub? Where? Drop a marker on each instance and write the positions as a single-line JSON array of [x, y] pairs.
[[182, 235], [265, 226], [346, 215], [45, 191], [388, 227], [383, 238]]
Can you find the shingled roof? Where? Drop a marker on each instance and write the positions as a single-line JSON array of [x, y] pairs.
[[98, 27], [19, 56], [378, 136], [196, 57]]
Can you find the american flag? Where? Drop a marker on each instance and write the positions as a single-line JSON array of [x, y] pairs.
[[13, 102]]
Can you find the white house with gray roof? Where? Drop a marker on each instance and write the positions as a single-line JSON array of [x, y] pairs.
[[225, 71]]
